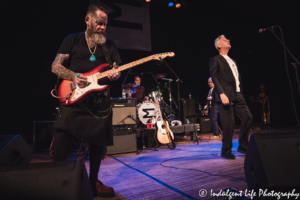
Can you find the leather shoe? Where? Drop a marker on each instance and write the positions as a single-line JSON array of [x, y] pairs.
[[242, 149], [227, 154], [102, 190]]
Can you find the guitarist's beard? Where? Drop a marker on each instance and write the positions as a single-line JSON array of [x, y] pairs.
[[98, 36]]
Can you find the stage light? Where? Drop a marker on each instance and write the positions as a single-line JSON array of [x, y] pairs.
[[148, 0], [177, 3], [170, 4]]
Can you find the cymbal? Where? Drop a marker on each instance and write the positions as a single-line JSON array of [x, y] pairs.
[[136, 88], [128, 86], [132, 87], [160, 76]]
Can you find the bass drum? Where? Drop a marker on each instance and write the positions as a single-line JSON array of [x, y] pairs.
[[148, 113]]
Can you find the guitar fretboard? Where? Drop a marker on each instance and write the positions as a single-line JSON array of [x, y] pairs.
[[127, 66]]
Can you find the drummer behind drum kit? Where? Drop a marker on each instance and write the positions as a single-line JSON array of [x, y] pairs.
[[148, 112]]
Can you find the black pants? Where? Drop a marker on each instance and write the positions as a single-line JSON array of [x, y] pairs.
[[226, 113], [62, 144], [213, 115]]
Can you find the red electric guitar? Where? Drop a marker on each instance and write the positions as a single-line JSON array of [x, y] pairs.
[[69, 93]]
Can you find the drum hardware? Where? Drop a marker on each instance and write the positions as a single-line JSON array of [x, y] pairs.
[[173, 120], [160, 76], [169, 89], [143, 134], [178, 80], [155, 95], [131, 88], [176, 123]]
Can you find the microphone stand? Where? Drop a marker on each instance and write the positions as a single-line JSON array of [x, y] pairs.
[[178, 81], [126, 77], [292, 57], [170, 95], [295, 67]]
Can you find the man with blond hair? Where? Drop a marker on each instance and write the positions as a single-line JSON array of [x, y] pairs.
[[228, 92]]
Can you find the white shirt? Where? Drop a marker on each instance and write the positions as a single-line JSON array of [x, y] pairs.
[[234, 71]]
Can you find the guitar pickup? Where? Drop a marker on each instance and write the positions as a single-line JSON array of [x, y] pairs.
[[72, 86]]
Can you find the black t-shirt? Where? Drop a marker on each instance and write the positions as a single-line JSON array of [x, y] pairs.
[[90, 119], [76, 46]]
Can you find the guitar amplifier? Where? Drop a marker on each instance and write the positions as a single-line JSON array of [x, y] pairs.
[[119, 103], [124, 141], [205, 124], [124, 111], [188, 110]]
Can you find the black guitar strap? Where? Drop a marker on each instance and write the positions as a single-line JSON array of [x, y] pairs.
[[107, 56]]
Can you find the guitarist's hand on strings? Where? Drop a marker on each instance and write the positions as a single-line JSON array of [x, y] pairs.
[[113, 74], [80, 80]]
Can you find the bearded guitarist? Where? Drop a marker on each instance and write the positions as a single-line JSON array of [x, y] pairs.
[[90, 119]]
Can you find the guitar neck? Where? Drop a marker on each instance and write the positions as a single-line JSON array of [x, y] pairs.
[[127, 66]]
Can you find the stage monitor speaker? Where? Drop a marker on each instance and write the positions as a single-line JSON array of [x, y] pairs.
[[65, 180], [273, 161], [124, 112], [14, 150], [188, 108]]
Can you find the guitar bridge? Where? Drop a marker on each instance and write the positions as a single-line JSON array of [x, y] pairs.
[[69, 95]]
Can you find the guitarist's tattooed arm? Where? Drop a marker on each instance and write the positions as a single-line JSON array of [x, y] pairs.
[[64, 73], [59, 69]]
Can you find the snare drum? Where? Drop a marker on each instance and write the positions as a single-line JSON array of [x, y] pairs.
[[148, 112]]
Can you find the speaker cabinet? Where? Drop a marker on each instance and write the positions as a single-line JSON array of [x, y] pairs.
[[205, 124], [188, 108], [14, 150], [124, 141], [273, 161], [65, 180]]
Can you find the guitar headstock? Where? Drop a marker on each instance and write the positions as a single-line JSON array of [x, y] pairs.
[[162, 55]]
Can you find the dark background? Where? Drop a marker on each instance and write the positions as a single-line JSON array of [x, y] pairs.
[[33, 32]]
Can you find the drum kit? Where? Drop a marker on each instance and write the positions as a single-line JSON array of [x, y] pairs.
[[147, 111]]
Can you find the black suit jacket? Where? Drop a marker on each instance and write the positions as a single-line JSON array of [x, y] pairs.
[[223, 78]]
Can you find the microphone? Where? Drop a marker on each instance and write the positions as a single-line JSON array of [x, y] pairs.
[[267, 29]]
